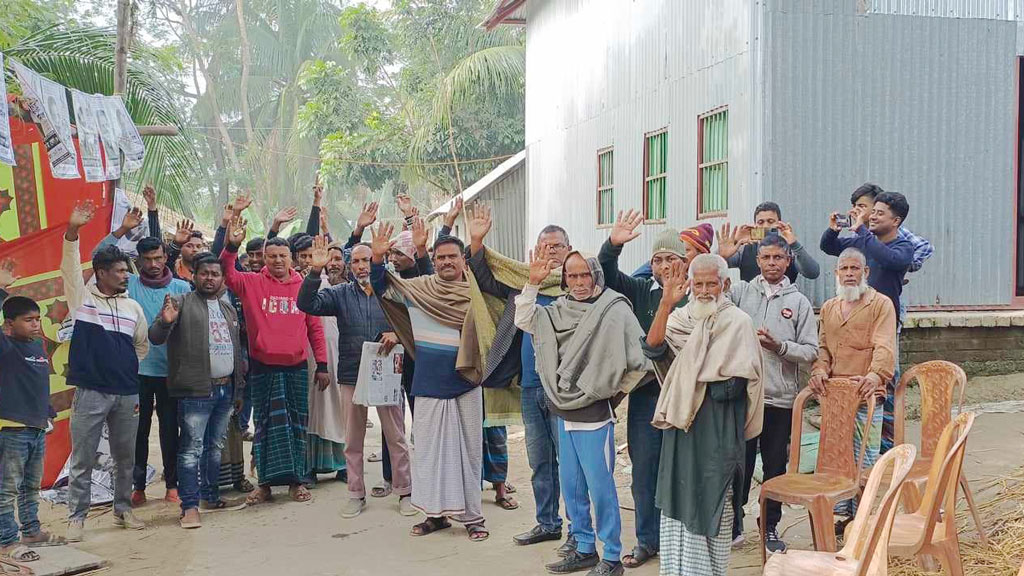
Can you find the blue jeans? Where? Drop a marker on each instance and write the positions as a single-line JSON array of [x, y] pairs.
[[542, 453], [204, 426], [588, 463], [645, 453], [21, 471]]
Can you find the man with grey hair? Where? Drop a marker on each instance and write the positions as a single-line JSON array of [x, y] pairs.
[[708, 359], [856, 340]]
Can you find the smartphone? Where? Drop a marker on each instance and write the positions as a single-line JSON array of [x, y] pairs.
[[843, 220]]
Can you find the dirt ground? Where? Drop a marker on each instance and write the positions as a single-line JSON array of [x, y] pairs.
[[289, 538]]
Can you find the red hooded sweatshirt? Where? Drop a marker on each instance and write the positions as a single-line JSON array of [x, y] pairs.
[[278, 330]]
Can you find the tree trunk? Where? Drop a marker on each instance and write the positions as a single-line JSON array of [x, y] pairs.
[[244, 87]]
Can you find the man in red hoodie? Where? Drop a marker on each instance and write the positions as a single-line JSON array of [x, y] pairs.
[[278, 334]]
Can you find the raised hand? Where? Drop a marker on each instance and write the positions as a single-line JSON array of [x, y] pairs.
[[675, 283], [540, 265], [7, 275], [131, 219], [236, 231], [170, 310], [405, 206], [382, 242], [479, 224], [150, 195], [184, 231], [625, 226], [453, 212], [366, 218], [420, 235], [321, 256]]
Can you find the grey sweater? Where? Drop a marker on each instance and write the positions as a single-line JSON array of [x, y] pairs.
[[789, 316]]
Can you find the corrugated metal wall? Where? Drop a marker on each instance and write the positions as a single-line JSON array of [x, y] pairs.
[[603, 73], [924, 106]]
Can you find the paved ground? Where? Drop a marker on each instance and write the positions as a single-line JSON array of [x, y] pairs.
[[294, 539]]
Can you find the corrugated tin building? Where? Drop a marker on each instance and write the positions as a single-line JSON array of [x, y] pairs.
[[698, 110]]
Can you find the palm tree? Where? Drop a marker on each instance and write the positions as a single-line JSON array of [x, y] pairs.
[[83, 58]]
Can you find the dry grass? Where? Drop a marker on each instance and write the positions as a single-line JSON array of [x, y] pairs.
[[1003, 516]]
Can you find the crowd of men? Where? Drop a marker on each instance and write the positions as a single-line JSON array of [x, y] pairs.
[[711, 368]]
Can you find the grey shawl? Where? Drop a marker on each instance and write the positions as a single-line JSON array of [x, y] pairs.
[[588, 351]]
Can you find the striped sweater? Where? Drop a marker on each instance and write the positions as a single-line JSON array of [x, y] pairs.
[[110, 334]]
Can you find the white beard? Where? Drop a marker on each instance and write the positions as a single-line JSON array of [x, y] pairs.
[[851, 293], [701, 310]]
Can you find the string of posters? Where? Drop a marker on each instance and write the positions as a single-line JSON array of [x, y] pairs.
[[105, 129]]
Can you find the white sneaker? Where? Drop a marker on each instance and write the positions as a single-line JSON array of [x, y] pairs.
[[352, 508], [405, 507]]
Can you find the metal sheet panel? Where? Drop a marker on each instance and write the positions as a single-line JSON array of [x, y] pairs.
[[603, 74], [923, 106]]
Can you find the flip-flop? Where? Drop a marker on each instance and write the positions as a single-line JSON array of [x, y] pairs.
[[45, 539], [258, 497], [477, 532], [429, 526], [300, 494], [21, 554], [506, 503]]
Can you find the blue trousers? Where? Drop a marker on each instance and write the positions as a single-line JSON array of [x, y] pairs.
[[586, 467], [21, 472], [645, 453], [204, 426], [542, 453]]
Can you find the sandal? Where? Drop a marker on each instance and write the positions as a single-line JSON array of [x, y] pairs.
[[638, 557], [21, 553], [259, 496], [477, 532], [382, 490], [43, 539], [429, 526], [300, 493], [506, 503]]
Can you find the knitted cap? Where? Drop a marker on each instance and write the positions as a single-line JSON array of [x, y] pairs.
[[668, 241], [701, 237]]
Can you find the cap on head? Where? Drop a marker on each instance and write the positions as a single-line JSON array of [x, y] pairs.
[[668, 240], [700, 237]]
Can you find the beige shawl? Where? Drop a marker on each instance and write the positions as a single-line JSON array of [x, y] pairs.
[[717, 348]]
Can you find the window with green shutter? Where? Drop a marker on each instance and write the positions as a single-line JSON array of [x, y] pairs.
[[713, 163], [655, 174], [605, 187]]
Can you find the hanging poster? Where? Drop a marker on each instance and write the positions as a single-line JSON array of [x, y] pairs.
[[88, 136], [6, 144], [110, 138], [131, 142], [48, 103]]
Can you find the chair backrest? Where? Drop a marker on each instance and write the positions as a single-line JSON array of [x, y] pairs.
[[940, 382], [944, 475], [838, 420], [868, 541]]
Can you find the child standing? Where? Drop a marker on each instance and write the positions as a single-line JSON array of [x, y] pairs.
[[24, 414]]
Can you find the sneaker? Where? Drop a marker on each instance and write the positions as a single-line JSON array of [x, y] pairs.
[[352, 508], [568, 547], [76, 531], [405, 507], [606, 568], [536, 535], [772, 543], [172, 496], [138, 498], [574, 562], [738, 541], [129, 520]]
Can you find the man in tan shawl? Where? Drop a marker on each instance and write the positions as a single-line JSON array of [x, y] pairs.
[[708, 360], [433, 318]]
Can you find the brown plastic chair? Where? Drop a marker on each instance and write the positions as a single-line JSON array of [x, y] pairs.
[[865, 552], [836, 472], [940, 382], [931, 529]]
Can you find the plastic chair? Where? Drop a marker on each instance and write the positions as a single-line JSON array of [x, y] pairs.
[[836, 472], [865, 552], [931, 529], [940, 382]]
